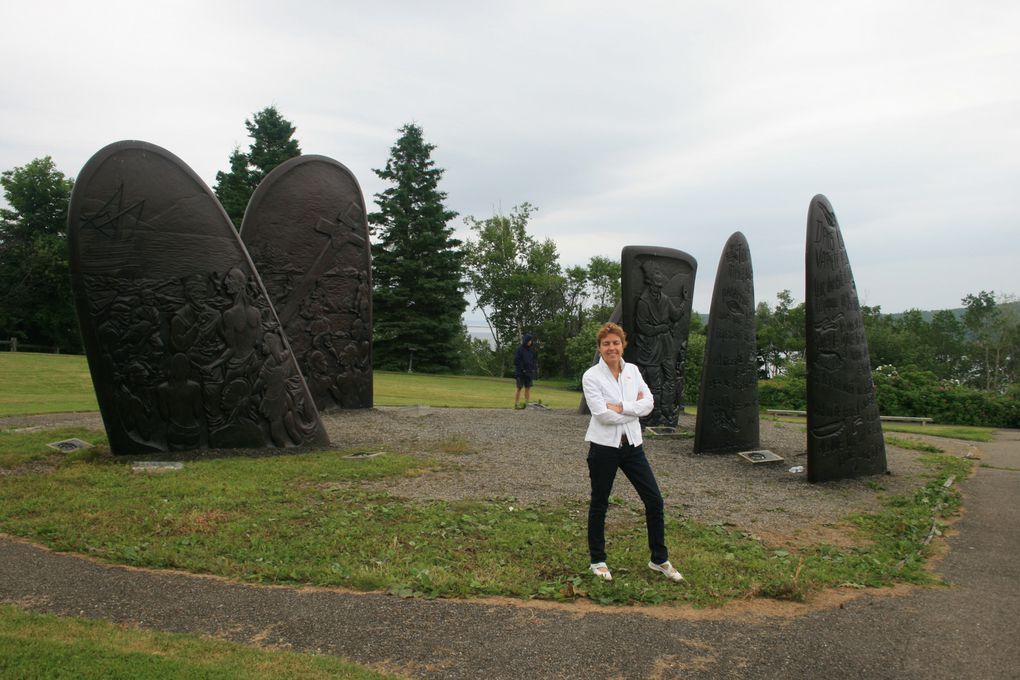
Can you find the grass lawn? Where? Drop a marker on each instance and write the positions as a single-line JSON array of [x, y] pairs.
[[46, 646], [965, 432], [54, 383], [320, 519], [44, 383]]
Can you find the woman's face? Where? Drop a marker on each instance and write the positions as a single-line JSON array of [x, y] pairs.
[[611, 348]]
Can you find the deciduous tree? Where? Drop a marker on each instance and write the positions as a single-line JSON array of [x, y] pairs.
[[516, 279], [35, 289]]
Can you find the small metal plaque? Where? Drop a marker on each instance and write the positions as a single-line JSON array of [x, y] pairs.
[[68, 445], [760, 456], [156, 466], [364, 455]]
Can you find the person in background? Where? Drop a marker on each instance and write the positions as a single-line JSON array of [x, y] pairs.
[[618, 397], [525, 365]]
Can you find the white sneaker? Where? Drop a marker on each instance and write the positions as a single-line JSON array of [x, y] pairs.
[[601, 570], [667, 570]]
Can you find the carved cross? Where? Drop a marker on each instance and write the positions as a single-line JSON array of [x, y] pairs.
[[340, 231]]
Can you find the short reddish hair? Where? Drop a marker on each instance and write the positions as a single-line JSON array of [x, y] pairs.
[[611, 328]]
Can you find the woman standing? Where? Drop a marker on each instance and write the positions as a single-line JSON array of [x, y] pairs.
[[617, 397]]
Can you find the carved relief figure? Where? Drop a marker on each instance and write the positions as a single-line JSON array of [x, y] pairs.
[[173, 344], [658, 352], [308, 224], [180, 405]]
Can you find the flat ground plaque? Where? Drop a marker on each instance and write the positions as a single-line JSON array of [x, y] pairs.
[[156, 466], [307, 231], [183, 344], [760, 456], [70, 445], [666, 432]]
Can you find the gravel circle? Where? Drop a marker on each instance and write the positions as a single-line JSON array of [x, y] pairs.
[[537, 455]]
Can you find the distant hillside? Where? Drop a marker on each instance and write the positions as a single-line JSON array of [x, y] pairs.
[[958, 312]]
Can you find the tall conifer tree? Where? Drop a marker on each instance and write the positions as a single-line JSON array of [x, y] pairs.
[[271, 144], [418, 266]]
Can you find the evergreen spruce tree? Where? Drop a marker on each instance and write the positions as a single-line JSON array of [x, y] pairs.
[[271, 145], [235, 187], [418, 267]]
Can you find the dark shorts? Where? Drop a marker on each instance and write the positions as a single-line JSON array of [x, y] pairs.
[[524, 380]]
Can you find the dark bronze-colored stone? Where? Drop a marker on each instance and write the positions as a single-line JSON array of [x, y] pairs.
[[657, 286], [183, 345], [844, 430], [728, 398], [616, 317], [307, 232]]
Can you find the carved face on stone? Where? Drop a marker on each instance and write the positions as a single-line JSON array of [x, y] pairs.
[[654, 278]]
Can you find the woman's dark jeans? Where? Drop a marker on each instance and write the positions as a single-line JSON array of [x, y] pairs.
[[603, 462]]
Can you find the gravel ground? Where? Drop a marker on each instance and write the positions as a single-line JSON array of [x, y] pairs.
[[538, 455]]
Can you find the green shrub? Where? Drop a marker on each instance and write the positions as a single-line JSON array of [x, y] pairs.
[[788, 391], [912, 392]]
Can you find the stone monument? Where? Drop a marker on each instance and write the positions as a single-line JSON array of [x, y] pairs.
[[307, 232], [183, 345], [656, 289], [616, 317], [844, 430], [728, 399]]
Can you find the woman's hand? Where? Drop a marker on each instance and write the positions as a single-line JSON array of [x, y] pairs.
[[616, 408]]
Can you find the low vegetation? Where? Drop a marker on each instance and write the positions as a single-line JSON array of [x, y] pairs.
[[322, 519], [46, 646]]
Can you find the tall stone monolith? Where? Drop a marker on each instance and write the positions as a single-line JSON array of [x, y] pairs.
[[727, 419], [656, 289], [844, 429]]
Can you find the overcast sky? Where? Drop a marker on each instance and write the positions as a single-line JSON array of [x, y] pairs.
[[647, 123]]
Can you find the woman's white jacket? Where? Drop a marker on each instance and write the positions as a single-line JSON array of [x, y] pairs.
[[601, 388]]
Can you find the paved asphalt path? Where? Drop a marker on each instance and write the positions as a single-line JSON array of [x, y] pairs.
[[968, 630]]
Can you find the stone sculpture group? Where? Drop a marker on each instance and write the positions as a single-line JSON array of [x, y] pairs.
[[844, 429], [198, 336], [186, 347]]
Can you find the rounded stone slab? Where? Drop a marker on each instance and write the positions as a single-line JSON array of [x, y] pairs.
[[184, 347], [307, 232], [844, 431], [728, 399], [657, 287]]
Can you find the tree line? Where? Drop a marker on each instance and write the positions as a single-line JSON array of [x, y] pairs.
[[424, 279]]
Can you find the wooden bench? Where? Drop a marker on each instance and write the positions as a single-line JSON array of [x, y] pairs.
[[897, 419]]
